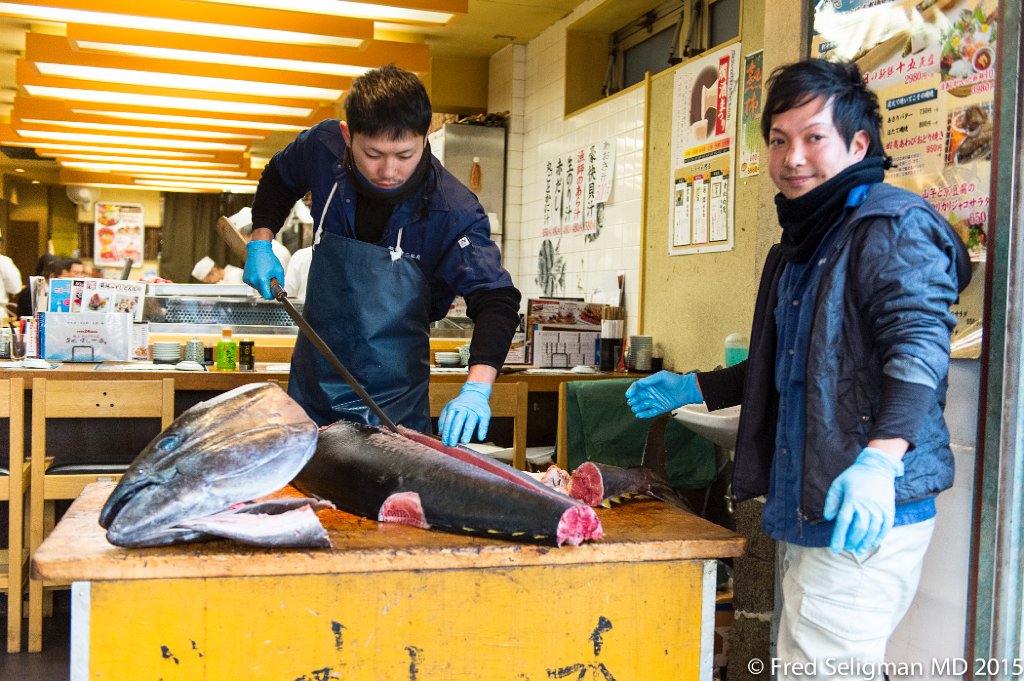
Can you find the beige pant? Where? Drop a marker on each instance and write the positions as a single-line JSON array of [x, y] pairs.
[[838, 611]]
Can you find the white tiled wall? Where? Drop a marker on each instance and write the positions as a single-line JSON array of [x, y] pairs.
[[529, 81]]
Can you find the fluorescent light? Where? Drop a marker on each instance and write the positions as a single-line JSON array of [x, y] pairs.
[[359, 10], [141, 170], [349, 33], [63, 159], [51, 149], [222, 186], [180, 81], [326, 68], [113, 127], [193, 120], [160, 101], [127, 141]]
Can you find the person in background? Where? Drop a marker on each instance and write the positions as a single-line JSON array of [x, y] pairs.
[[24, 299], [397, 237], [843, 391], [207, 271], [297, 268], [72, 268], [297, 273], [10, 287]]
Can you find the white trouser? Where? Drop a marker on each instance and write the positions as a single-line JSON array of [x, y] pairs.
[[838, 611]]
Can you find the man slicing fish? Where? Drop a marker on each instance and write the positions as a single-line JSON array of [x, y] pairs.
[[396, 238]]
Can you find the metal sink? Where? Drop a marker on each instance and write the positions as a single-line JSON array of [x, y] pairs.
[[717, 426]]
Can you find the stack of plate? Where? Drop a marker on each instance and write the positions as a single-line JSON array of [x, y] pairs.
[[447, 359], [638, 356], [166, 352]]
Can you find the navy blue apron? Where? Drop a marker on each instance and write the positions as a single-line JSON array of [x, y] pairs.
[[371, 306]]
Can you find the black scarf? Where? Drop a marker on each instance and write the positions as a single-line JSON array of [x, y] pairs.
[[375, 205], [807, 219]]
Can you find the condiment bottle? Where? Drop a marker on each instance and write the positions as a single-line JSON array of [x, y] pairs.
[[476, 176], [227, 351], [246, 358]]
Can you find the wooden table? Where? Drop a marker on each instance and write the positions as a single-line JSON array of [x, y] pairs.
[[394, 602]]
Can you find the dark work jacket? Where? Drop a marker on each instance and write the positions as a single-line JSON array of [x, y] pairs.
[[895, 268]]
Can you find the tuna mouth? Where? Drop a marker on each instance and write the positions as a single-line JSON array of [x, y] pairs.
[[114, 505]]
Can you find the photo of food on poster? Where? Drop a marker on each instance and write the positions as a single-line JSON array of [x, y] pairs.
[[932, 65], [118, 233]]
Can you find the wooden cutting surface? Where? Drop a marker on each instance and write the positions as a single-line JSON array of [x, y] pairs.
[[636, 531]]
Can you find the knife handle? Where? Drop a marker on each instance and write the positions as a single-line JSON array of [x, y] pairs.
[[275, 288]]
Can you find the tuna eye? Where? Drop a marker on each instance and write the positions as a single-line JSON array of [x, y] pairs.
[[168, 442]]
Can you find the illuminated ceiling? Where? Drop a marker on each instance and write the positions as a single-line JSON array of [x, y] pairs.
[[161, 94]]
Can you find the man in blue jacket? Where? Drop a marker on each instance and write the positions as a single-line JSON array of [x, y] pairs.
[[396, 238], [843, 392]]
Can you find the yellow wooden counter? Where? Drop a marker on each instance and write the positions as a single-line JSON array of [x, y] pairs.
[[394, 602]]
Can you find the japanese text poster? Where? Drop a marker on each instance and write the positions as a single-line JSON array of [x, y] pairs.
[[752, 99], [704, 104]]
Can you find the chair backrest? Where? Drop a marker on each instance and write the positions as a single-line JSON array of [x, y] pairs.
[[12, 408], [64, 399], [507, 399]]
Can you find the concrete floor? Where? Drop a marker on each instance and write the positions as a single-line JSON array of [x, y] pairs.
[[53, 663]]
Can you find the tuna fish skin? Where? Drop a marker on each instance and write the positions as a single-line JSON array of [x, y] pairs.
[[238, 446], [361, 467]]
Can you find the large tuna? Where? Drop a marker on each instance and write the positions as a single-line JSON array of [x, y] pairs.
[[411, 478], [191, 482]]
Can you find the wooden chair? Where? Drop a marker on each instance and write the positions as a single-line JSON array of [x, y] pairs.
[[14, 479], [50, 480], [507, 399]]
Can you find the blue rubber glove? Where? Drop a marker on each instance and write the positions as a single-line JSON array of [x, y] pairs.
[[862, 500], [467, 411], [261, 265], [662, 392]]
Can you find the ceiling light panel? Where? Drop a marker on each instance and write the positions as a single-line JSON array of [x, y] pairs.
[[196, 102], [431, 12], [54, 56], [300, 58], [43, 136], [135, 129], [28, 108], [178, 16]]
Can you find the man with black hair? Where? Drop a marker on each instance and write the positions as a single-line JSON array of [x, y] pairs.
[[841, 427], [396, 238]]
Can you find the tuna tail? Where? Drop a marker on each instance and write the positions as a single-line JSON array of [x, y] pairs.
[[655, 460]]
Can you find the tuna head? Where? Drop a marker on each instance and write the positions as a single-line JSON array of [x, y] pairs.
[[243, 444]]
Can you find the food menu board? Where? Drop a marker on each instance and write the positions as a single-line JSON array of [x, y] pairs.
[[118, 233], [932, 65]]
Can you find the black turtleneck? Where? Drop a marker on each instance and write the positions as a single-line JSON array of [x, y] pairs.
[[807, 219], [374, 206]]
